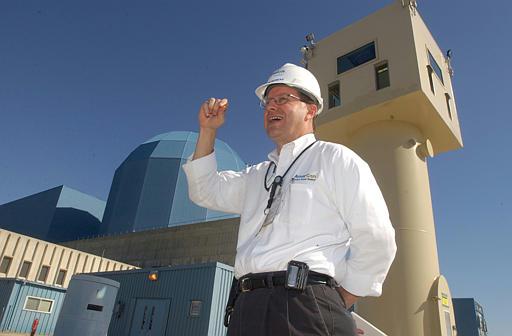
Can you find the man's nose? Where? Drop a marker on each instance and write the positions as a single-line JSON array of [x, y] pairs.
[[271, 105]]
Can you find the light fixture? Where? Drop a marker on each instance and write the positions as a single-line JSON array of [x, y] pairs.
[[153, 276]]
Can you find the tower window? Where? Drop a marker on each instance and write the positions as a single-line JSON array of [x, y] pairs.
[[448, 104], [357, 57], [334, 94], [435, 66], [382, 75], [431, 80]]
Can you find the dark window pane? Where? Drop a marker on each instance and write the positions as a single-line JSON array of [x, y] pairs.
[[382, 75], [334, 95], [25, 268], [435, 67], [60, 278], [43, 273], [357, 57], [5, 265]]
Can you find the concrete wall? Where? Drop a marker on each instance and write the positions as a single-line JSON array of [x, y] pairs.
[[41, 253], [188, 244]]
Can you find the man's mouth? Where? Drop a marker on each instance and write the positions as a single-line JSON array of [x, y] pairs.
[[275, 118]]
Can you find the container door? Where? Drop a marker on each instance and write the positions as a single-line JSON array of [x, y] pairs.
[[150, 317]]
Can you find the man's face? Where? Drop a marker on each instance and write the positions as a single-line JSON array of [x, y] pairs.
[[287, 122]]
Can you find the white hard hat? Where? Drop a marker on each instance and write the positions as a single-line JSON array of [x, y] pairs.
[[296, 77]]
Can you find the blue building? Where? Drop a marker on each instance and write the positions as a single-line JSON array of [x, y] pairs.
[[21, 302], [55, 215], [469, 316], [149, 189], [178, 300]]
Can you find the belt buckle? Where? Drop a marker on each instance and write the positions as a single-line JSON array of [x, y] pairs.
[[243, 283]]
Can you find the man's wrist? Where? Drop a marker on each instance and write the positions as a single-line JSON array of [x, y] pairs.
[[205, 142], [348, 298]]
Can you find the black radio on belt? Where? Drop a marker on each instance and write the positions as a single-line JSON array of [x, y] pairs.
[[296, 275]]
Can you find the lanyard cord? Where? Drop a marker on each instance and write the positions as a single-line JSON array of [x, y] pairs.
[[272, 164], [278, 180]]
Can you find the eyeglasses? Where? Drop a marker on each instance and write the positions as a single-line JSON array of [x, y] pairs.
[[279, 100]]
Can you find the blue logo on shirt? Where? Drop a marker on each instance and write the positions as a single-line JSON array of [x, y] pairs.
[[305, 177]]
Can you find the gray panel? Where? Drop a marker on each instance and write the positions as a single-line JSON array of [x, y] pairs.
[[225, 160], [150, 317], [30, 215], [157, 194], [168, 149], [111, 202], [6, 290], [71, 224], [190, 146], [215, 215], [171, 136], [131, 177], [142, 152], [183, 209], [221, 288], [70, 198]]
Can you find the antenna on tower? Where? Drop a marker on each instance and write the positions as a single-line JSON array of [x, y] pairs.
[[307, 49], [449, 62], [412, 4]]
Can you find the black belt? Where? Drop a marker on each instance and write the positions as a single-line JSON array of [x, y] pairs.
[[251, 281]]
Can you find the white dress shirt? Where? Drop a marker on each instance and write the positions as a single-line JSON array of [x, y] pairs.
[[331, 213]]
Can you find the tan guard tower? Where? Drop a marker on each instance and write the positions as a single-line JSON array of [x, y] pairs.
[[387, 88]]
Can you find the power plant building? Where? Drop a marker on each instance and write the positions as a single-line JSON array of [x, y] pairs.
[[55, 215], [34, 275], [470, 317], [150, 191], [389, 97]]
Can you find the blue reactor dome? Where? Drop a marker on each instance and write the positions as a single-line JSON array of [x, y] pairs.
[[150, 190]]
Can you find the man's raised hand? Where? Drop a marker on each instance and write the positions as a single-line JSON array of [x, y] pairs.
[[212, 113]]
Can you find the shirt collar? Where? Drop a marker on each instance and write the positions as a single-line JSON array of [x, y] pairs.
[[295, 147]]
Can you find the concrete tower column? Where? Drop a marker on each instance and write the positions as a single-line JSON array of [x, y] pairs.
[[395, 153]]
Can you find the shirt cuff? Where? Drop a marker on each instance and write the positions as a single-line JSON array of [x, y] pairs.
[[200, 167], [360, 284]]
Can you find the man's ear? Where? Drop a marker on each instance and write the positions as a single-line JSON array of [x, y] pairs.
[[312, 109]]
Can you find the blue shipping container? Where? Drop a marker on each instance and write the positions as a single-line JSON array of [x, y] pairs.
[[182, 300], [21, 302]]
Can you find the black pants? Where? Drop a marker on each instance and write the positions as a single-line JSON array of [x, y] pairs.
[[317, 311]]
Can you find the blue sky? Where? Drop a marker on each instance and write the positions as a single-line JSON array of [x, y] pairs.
[[84, 83]]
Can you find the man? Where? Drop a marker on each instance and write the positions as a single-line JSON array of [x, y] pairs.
[[314, 229]]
